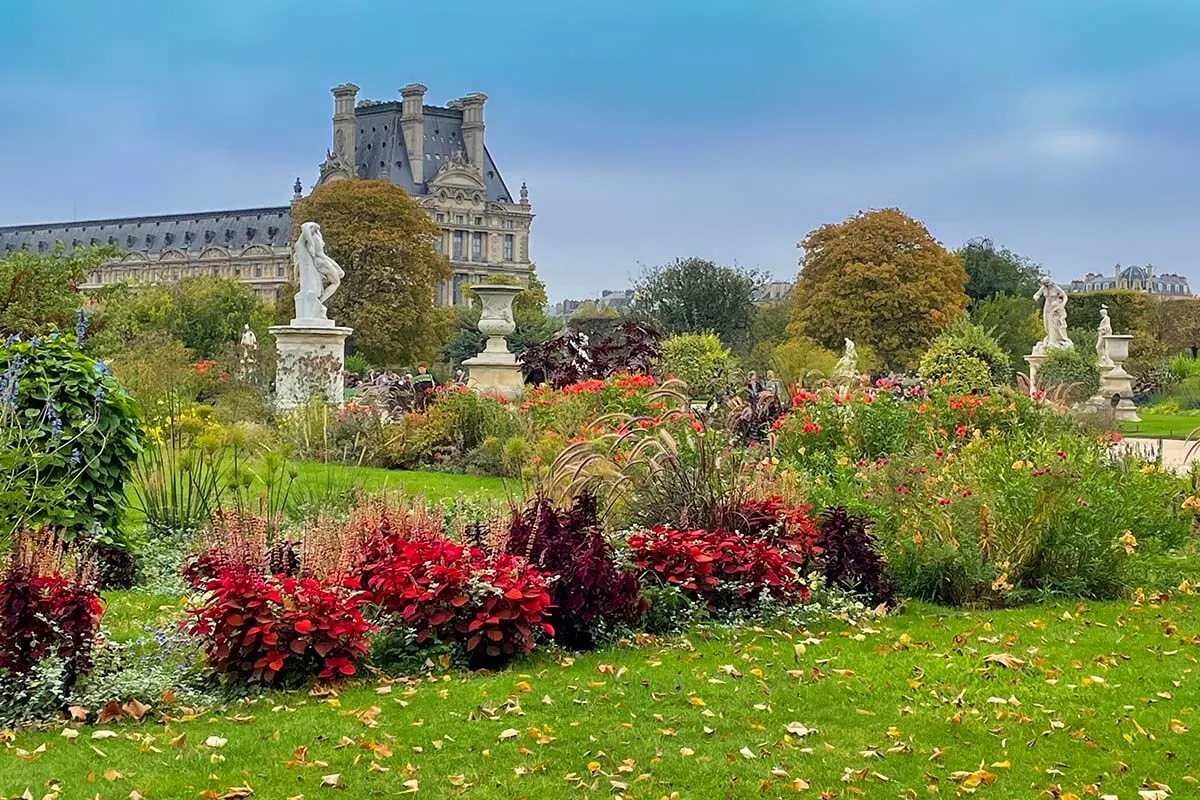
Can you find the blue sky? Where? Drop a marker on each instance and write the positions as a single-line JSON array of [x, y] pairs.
[[1066, 130]]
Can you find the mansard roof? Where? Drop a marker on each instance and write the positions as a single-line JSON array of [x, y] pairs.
[[233, 229], [381, 155]]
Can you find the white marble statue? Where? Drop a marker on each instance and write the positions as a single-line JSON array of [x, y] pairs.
[[319, 275], [1054, 317], [1102, 333], [847, 366], [249, 350]]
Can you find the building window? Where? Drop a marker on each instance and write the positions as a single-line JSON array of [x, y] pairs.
[[477, 246], [439, 244], [279, 271], [479, 220], [510, 224], [458, 245], [258, 270], [440, 217], [458, 287], [508, 247], [459, 218]]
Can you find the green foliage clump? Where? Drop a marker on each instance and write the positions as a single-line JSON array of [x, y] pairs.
[[966, 358], [68, 412], [40, 291], [700, 361], [1072, 371], [800, 359], [694, 294], [993, 271], [1013, 321]]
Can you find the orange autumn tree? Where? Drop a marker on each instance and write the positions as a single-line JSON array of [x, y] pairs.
[[880, 279], [385, 243]]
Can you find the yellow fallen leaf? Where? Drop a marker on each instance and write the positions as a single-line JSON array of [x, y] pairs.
[[696, 701], [411, 786], [1005, 660], [593, 767], [508, 733], [686, 752], [112, 775]]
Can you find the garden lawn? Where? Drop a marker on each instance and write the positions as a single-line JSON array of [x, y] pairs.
[[1166, 426], [313, 477], [1008, 703]]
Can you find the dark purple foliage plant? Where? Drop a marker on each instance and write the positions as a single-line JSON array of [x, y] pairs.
[[590, 593]]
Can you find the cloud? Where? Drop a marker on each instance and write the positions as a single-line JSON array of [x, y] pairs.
[[1074, 145]]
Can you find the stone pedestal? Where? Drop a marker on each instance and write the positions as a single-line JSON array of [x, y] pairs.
[[1035, 361], [495, 370], [310, 360], [1116, 385]]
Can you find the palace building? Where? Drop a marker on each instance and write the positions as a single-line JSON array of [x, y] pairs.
[[435, 153], [1134, 277]]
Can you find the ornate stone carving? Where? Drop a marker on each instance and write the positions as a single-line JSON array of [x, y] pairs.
[[846, 369], [318, 274], [1054, 318]]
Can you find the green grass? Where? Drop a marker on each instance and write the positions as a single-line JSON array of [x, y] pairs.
[[1162, 426], [1101, 693], [375, 480], [313, 478]]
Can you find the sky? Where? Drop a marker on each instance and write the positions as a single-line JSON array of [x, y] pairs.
[[1065, 130]]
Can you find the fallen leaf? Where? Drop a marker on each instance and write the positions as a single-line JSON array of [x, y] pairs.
[[135, 709], [103, 734], [508, 733], [1005, 660], [215, 741], [796, 729], [331, 781]]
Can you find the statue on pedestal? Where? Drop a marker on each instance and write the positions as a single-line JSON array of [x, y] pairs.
[[249, 351], [1102, 333], [1054, 318], [846, 368], [319, 275]]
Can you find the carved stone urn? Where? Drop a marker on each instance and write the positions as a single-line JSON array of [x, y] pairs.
[[495, 370]]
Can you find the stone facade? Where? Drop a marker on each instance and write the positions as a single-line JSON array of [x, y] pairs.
[[1134, 277], [437, 154], [248, 244]]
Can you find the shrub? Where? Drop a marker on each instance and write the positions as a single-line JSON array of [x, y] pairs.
[[590, 594], [800, 360], [1073, 371], [700, 361], [593, 348], [49, 606], [1003, 517], [493, 606], [70, 411], [963, 356], [270, 629], [849, 559], [725, 571]]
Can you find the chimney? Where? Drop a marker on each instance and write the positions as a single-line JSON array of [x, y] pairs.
[[343, 124], [412, 122], [472, 127]]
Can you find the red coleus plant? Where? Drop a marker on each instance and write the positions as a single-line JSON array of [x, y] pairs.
[[722, 569], [777, 521], [49, 604], [270, 629], [494, 605]]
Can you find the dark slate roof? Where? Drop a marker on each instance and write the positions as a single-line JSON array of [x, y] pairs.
[[235, 230], [381, 154]]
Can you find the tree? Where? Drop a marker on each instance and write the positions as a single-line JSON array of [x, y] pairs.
[[694, 295], [880, 279], [993, 270], [40, 290], [1013, 321], [205, 314], [1177, 323], [385, 243]]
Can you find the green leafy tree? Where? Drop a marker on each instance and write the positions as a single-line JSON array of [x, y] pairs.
[[1014, 321], [695, 295], [768, 330], [385, 243], [41, 290], [700, 361], [1177, 323], [993, 270], [880, 279], [205, 314]]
